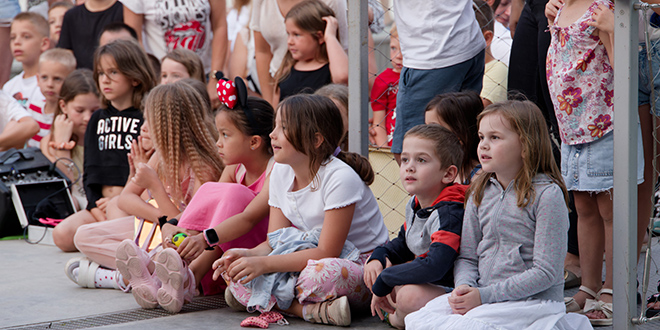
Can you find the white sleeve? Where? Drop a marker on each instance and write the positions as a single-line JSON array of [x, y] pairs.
[[255, 20], [136, 6], [10, 110], [341, 187], [276, 185]]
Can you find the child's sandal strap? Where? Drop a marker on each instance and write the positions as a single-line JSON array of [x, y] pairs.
[[588, 291], [605, 291]]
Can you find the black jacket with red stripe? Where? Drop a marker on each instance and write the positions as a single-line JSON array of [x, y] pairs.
[[427, 245]]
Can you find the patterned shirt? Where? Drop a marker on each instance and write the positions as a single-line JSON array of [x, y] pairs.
[[580, 80]]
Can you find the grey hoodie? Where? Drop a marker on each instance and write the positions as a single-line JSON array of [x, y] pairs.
[[511, 253]]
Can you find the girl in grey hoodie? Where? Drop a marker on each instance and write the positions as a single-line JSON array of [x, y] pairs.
[[509, 273]]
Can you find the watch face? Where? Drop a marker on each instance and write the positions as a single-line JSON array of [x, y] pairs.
[[219, 75]]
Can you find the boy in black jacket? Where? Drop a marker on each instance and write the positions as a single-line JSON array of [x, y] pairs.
[[417, 266]]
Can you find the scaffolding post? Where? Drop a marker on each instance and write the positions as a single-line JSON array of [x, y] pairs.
[[358, 83], [625, 164]]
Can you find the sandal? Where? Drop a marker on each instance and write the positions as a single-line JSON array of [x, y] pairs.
[[651, 312], [572, 306], [570, 279], [86, 271], [592, 305]]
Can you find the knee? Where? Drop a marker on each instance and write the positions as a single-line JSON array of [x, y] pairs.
[[63, 237], [410, 298]]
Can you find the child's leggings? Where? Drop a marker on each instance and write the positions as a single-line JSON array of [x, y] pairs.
[[322, 280]]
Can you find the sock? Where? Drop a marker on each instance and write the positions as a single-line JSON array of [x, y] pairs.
[[105, 279], [305, 313], [120, 281]]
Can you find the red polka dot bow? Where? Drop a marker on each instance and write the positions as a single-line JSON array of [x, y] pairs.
[[227, 93]]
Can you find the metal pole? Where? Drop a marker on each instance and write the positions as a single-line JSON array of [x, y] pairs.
[[625, 164], [358, 101]]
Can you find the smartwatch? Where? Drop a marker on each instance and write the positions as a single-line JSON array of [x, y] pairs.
[[211, 238]]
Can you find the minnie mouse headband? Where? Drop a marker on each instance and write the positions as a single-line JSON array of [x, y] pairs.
[[233, 92]]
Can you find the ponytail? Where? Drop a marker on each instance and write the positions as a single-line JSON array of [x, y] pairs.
[[359, 164]]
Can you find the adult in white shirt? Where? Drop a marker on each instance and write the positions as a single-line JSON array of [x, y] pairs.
[[197, 25], [443, 51]]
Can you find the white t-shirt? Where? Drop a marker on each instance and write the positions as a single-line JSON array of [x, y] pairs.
[[500, 48], [338, 186], [170, 24], [45, 121], [437, 34], [267, 19], [10, 110], [25, 91]]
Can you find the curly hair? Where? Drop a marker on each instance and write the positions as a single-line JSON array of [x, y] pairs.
[[178, 123]]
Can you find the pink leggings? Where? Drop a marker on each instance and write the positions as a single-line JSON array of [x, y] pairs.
[[322, 280], [212, 204]]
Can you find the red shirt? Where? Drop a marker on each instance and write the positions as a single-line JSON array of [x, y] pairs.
[[383, 98]]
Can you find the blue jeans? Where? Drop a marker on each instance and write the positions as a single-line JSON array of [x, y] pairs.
[[8, 9], [417, 87], [645, 81]]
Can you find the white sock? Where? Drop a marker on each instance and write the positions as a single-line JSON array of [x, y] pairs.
[[304, 312], [105, 279]]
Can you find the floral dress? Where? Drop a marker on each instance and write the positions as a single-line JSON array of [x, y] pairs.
[[580, 80]]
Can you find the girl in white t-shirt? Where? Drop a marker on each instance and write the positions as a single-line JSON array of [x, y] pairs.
[[324, 223]]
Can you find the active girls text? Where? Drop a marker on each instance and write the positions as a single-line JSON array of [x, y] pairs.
[[115, 132]]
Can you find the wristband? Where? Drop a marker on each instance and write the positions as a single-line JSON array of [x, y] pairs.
[[173, 222], [161, 221], [211, 238]]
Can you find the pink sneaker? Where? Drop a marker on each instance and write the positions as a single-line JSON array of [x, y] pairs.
[[178, 281], [132, 263]]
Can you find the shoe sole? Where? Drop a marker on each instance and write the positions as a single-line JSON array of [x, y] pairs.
[[232, 302], [132, 267], [173, 276]]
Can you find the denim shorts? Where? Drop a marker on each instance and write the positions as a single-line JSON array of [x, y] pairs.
[[590, 166], [8, 9], [644, 96], [417, 87]]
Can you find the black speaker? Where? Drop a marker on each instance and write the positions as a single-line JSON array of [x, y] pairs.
[[32, 177]]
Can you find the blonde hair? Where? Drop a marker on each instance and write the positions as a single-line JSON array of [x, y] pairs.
[[39, 22], [59, 55], [61, 4], [132, 62], [528, 122], [394, 32], [308, 16], [178, 122], [190, 60]]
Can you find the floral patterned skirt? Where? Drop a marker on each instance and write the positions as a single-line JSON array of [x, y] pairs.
[[322, 280]]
